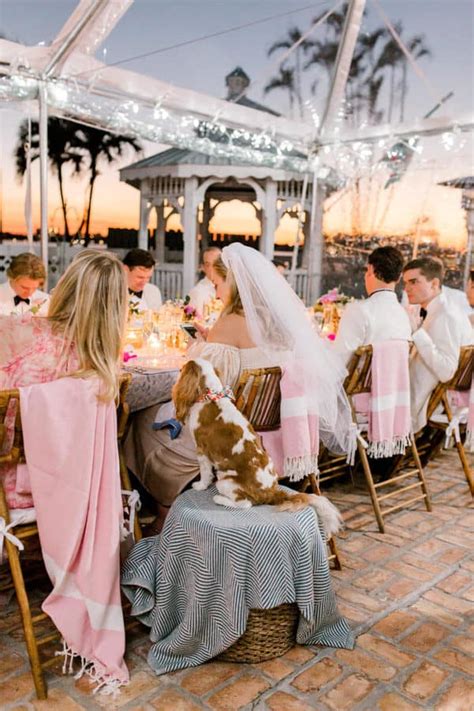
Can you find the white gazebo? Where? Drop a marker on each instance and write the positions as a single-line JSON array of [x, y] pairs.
[[194, 184]]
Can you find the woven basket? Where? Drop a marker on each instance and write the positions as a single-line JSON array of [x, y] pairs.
[[269, 634]]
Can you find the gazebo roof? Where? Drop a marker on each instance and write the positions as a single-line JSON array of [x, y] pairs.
[[466, 183], [182, 156]]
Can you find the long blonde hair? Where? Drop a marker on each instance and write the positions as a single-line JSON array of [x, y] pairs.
[[88, 307], [234, 304]]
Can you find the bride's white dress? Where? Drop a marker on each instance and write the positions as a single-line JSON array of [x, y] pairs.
[[165, 466]]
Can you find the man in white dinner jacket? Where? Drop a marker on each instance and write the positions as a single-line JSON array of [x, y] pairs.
[[21, 292], [380, 317], [139, 265], [204, 291], [439, 331]]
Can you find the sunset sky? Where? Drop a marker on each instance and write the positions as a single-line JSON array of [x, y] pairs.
[[151, 24]]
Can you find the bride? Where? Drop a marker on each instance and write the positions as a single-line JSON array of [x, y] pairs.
[[263, 323]]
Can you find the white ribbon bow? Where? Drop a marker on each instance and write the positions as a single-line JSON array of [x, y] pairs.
[[133, 504], [355, 435], [452, 430], [4, 533]]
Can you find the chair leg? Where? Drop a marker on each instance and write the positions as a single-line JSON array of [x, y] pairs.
[[370, 484], [126, 484], [313, 482], [421, 474], [465, 465], [24, 605]]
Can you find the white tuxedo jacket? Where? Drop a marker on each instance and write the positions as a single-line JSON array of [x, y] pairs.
[[7, 303], [436, 355], [378, 318]]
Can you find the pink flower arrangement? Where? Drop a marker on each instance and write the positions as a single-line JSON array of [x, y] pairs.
[[190, 312], [331, 297]]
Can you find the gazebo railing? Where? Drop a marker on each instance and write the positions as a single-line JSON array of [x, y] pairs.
[[169, 279]]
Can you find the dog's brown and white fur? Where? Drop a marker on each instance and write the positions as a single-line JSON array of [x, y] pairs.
[[227, 443]]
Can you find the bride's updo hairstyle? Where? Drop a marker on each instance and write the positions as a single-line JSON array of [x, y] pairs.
[[233, 304], [89, 307]]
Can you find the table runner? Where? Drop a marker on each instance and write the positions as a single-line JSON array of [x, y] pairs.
[[195, 583]]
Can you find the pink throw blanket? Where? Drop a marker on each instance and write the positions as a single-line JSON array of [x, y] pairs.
[[294, 448], [460, 402], [71, 451], [387, 406]]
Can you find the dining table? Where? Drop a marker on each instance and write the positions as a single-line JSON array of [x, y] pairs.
[[153, 376]]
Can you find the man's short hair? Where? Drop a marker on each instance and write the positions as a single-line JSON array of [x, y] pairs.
[[387, 263], [139, 258], [26, 265], [471, 275], [430, 267]]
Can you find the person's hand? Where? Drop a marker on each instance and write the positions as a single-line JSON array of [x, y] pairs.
[[202, 330]]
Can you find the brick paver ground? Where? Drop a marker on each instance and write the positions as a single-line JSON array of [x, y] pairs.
[[409, 595]]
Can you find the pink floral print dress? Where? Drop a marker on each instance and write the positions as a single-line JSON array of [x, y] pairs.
[[30, 352]]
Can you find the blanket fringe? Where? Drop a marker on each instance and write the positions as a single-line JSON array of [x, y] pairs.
[[389, 447], [296, 468], [105, 685]]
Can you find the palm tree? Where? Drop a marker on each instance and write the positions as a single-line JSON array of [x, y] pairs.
[[96, 146], [286, 81], [418, 49], [62, 149], [293, 35]]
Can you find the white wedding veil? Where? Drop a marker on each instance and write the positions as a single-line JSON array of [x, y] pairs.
[[278, 324]]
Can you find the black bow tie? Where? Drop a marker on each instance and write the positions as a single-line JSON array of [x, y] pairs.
[[138, 294], [18, 299], [423, 314]]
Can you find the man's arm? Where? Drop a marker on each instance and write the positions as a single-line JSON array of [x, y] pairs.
[[352, 330], [440, 348]]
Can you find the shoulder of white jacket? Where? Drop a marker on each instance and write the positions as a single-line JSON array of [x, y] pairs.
[[151, 287]]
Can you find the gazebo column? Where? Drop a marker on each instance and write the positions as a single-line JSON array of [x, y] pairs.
[[143, 225], [269, 222], [190, 234], [206, 219], [316, 245], [160, 234]]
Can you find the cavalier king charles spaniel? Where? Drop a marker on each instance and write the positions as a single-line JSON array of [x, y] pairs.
[[227, 444]]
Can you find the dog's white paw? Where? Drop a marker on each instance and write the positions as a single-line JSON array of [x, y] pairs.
[[199, 486]]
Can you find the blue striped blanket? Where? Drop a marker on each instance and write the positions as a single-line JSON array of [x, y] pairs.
[[194, 584]]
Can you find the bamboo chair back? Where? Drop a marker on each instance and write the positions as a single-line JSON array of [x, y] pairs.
[[359, 376], [11, 448], [258, 397], [461, 380]]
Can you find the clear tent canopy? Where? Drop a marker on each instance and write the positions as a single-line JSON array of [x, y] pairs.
[[339, 125]]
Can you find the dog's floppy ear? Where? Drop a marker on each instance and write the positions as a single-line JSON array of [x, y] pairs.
[[188, 389]]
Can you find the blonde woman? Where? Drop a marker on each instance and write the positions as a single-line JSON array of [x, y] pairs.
[[165, 466], [81, 336]]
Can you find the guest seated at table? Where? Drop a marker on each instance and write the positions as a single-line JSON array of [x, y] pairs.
[[82, 335], [380, 317], [21, 292], [438, 334], [139, 265], [456, 299], [205, 291], [263, 323]]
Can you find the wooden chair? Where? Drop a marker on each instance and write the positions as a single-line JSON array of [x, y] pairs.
[[258, 397], [439, 400], [359, 381], [12, 452]]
